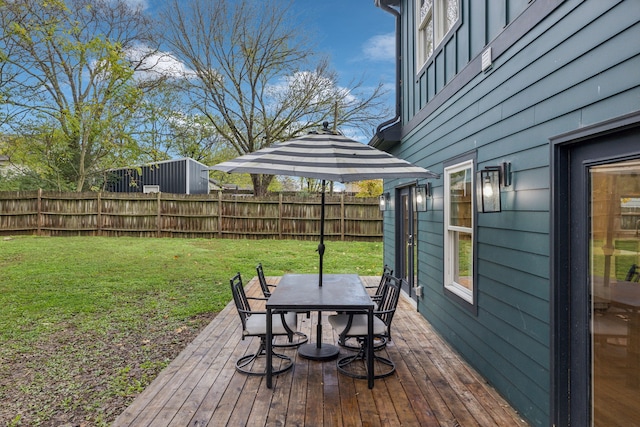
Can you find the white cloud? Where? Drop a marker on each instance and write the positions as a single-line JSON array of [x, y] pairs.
[[381, 47], [134, 4], [300, 82], [162, 63]]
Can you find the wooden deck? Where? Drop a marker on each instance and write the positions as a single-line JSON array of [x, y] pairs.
[[431, 386]]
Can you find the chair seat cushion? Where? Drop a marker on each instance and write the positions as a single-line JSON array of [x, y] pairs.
[[339, 322], [257, 324]]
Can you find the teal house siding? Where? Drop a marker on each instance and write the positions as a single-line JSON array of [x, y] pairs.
[[557, 66]]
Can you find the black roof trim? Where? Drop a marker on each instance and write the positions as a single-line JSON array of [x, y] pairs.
[[387, 138]]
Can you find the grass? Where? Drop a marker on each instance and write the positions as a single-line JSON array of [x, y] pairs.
[[87, 322], [626, 253]]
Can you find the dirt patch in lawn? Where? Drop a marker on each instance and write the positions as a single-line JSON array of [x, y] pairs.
[[79, 378]]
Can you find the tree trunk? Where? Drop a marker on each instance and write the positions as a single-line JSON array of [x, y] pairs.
[[260, 184]]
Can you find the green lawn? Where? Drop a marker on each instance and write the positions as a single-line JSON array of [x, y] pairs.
[[87, 322], [626, 253]]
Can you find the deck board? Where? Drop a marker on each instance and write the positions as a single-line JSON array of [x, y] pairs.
[[432, 386]]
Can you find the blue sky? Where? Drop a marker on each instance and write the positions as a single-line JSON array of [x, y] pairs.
[[358, 38]]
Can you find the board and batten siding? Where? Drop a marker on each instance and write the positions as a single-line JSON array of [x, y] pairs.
[[577, 65], [480, 23]]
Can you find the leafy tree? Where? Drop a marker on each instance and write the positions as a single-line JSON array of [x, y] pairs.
[[369, 188], [250, 73], [69, 85], [153, 122], [165, 129]]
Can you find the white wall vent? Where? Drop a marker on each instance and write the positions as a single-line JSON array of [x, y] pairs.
[[486, 59]]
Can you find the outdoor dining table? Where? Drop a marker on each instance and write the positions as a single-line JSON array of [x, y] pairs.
[[301, 293]]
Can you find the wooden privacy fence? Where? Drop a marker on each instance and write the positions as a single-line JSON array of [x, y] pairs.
[[182, 215]]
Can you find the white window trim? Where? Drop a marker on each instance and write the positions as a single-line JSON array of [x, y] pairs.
[[421, 23], [450, 252], [438, 15]]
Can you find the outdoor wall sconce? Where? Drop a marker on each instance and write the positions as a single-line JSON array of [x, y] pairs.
[[384, 201], [489, 182], [421, 193]]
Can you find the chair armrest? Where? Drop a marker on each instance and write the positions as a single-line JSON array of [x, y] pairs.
[[391, 310]]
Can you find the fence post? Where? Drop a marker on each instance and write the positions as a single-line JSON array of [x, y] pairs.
[[39, 203], [280, 216], [220, 214], [99, 219], [159, 217], [342, 215]]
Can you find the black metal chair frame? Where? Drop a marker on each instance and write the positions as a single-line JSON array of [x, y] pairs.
[[386, 271], [633, 275], [383, 316], [245, 312], [301, 337], [263, 282], [381, 342]]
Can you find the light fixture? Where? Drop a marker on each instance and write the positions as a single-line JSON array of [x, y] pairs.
[[421, 193], [384, 201], [489, 182]]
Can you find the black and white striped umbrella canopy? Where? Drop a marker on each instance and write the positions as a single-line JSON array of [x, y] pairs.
[[328, 156], [324, 155]]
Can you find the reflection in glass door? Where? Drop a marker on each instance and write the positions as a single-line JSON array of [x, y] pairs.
[[614, 273], [406, 263]]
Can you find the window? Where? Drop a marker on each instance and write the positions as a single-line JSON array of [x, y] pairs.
[[458, 242], [434, 20]]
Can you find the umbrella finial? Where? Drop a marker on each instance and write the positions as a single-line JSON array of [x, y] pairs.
[[325, 130]]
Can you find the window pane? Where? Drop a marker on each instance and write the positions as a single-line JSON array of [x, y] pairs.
[[463, 270], [460, 198], [425, 8], [428, 39], [458, 243], [424, 45], [615, 292], [451, 7]]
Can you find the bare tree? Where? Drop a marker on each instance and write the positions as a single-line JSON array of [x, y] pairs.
[[250, 72], [73, 82]]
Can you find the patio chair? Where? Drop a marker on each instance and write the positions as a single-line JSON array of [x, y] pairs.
[[300, 337], [633, 275], [254, 324], [377, 296], [355, 326], [381, 342], [266, 291]]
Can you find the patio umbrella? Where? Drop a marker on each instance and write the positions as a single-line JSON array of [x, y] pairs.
[[325, 155], [329, 156]]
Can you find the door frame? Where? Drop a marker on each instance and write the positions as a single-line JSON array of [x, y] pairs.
[[406, 190], [569, 344]]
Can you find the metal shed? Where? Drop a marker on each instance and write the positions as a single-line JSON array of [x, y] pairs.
[[180, 176]]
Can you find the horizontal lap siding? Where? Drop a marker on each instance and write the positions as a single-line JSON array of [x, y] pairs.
[[577, 67]]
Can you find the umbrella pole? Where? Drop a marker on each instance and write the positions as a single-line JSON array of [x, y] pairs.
[[321, 244], [319, 351], [321, 254]]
